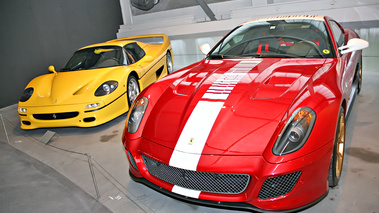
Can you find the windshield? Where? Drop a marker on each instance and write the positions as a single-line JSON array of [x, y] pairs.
[[96, 57], [293, 38]]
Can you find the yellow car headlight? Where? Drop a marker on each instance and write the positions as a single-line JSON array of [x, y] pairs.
[[106, 88], [28, 92]]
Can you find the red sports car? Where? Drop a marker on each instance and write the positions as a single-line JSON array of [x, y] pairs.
[[258, 124]]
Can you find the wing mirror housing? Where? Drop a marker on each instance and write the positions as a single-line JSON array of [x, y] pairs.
[[205, 48], [52, 69], [353, 45]]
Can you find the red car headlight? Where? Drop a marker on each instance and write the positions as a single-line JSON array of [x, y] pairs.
[[295, 132], [136, 114]]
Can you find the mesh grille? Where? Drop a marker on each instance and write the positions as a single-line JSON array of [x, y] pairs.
[[56, 116], [278, 186], [202, 181]]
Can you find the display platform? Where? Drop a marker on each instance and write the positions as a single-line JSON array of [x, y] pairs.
[[93, 164]]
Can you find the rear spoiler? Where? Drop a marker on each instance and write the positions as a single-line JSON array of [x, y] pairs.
[[150, 39]]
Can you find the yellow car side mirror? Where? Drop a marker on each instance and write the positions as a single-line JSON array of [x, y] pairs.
[[52, 69]]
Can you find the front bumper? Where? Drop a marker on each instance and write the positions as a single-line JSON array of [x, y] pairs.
[[310, 187], [218, 204], [74, 115]]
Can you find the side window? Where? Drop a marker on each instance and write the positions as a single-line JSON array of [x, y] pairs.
[[134, 52], [338, 35]]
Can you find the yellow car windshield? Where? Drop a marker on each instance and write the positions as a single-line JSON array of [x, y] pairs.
[[96, 57]]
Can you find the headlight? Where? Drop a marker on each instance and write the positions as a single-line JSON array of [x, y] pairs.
[[22, 110], [136, 114], [106, 88], [89, 106], [295, 132], [28, 92]]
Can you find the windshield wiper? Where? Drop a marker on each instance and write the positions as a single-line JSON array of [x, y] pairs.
[[215, 56], [269, 55]]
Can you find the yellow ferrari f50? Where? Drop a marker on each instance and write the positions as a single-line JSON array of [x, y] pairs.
[[98, 83]]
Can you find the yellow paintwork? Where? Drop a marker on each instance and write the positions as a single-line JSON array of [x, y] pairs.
[[72, 91]]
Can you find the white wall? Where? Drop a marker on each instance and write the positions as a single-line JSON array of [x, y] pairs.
[[188, 27], [371, 54]]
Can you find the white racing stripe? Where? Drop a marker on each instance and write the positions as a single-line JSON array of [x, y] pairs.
[[185, 192], [224, 85], [192, 140]]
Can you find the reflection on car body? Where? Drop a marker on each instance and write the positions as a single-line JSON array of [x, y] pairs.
[[258, 124]]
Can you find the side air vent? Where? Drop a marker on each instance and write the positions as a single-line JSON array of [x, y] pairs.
[[278, 186]]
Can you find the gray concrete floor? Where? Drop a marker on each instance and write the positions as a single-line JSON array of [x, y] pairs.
[[27, 185], [57, 178]]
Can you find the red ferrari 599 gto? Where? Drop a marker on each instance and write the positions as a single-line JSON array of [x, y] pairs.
[[258, 124]]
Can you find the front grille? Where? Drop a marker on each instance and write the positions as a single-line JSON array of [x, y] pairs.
[[278, 186], [56, 116], [201, 181]]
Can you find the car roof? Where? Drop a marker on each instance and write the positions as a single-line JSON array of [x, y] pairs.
[[273, 18]]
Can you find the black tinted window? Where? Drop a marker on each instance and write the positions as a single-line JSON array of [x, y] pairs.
[[337, 33], [134, 52]]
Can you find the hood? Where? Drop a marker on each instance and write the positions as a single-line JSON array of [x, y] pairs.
[[228, 107], [69, 87]]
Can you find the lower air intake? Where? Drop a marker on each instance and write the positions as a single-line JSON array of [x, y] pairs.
[[56, 116], [201, 181], [278, 186]]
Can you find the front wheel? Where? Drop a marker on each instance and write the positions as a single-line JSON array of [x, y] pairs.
[[132, 89], [169, 64], [338, 151]]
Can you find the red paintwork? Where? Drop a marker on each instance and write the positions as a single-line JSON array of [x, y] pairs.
[[256, 166], [245, 131]]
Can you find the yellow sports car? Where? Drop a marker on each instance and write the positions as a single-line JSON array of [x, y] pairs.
[[97, 84]]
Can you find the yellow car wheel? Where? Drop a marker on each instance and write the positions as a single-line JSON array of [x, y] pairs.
[[169, 64], [133, 89]]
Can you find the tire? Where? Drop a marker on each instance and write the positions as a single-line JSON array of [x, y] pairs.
[[133, 89], [336, 163], [359, 76], [169, 64]]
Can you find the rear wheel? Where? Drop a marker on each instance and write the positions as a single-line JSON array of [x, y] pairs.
[[338, 151], [169, 64], [132, 89], [359, 76]]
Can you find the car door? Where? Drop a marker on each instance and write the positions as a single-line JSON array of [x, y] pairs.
[[345, 68], [146, 63]]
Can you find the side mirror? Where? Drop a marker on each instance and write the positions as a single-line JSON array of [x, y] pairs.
[[353, 45], [205, 48], [52, 69]]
